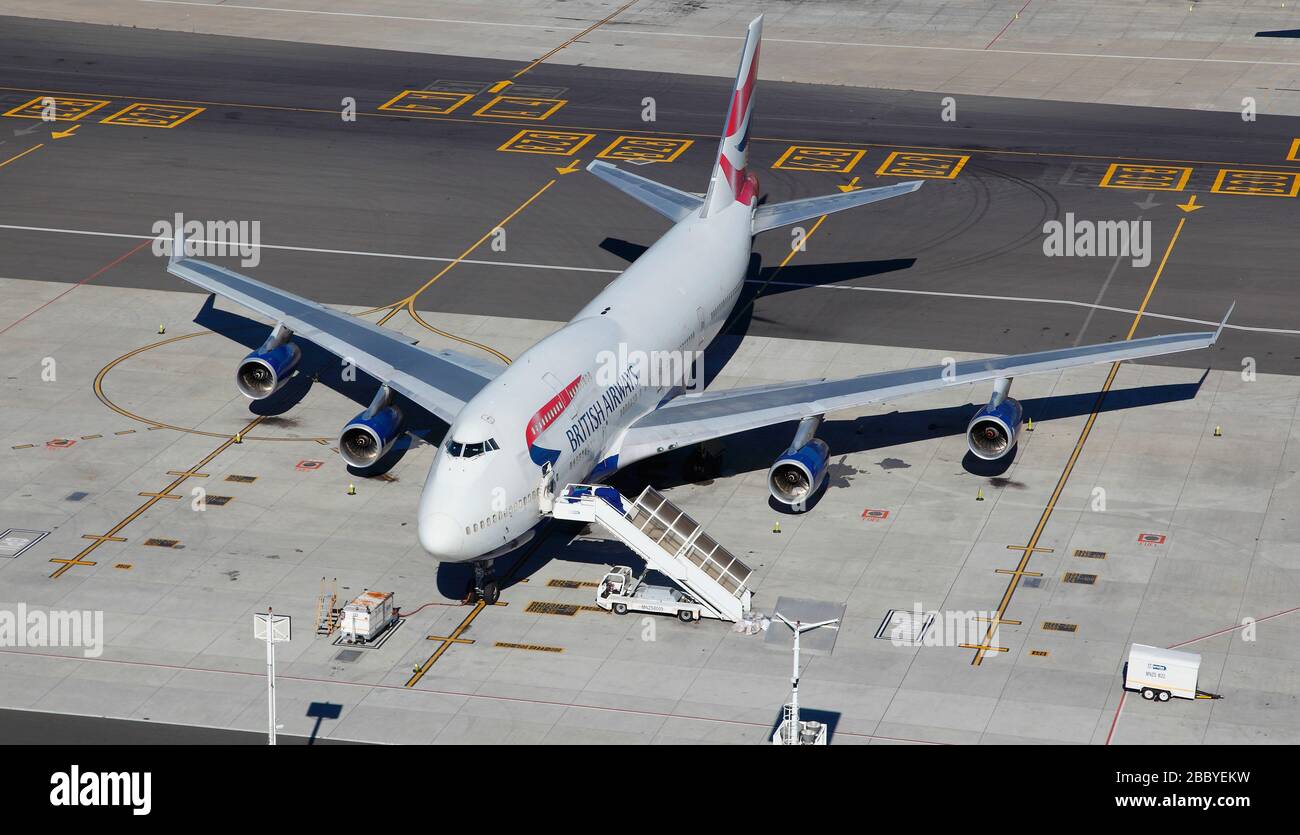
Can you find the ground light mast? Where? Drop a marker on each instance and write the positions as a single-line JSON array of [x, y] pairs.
[[793, 730], [273, 629]]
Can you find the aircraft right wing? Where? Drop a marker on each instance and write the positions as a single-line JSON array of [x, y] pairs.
[[693, 419]]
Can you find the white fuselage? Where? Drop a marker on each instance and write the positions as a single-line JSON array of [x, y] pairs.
[[559, 412]]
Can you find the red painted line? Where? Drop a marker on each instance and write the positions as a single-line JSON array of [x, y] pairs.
[[1115, 721], [110, 265], [1214, 634], [1227, 629], [1008, 26], [435, 692]]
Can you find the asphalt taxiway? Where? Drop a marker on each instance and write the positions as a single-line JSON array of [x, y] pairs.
[[408, 187]]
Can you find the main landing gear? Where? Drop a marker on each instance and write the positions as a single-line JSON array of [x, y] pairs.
[[485, 584]]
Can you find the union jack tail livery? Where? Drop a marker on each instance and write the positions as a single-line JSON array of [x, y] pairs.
[[732, 184], [732, 181]]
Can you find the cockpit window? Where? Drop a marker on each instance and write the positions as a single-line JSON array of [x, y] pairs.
[[458, 450]]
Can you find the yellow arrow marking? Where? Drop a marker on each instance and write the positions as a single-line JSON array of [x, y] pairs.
[[570, 168], [1190, 205], [59, 134], [852, 186]]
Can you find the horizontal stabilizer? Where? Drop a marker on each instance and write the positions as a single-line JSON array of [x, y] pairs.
[[666, 200], [783, 214]]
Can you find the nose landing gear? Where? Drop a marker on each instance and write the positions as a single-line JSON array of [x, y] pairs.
[[485, 584]]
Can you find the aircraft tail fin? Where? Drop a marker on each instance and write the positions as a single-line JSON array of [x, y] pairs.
[[731, 180]]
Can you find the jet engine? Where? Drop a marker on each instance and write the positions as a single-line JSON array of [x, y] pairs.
[[800, 471], [991, 433], [372, 433], [266, 370]]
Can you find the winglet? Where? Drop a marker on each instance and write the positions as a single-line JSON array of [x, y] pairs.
[[178, 245], [1224, 322]]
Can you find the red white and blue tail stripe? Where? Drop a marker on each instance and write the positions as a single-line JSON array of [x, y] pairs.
[[732, 181]]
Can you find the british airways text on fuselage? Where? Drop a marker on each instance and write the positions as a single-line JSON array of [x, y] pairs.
[[603, 409]]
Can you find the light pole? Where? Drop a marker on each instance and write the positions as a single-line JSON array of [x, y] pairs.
[[791, 727], [274, 629]]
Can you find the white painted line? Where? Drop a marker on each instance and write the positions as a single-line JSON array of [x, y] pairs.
[[320, 250], [623, 30], [1030, 300], [221, 5], [794, 284]]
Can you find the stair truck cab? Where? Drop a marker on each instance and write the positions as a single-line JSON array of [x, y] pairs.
[[621, 593]]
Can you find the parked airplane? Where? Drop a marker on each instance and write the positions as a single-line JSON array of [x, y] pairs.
[[561, 413]]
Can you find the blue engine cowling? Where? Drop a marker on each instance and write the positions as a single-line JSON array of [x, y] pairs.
[[798, 474], [265, 371], [366, 438], [991, 433]]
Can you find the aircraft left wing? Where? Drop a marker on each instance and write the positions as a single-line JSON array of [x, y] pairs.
[[440, 381], [693, 419]]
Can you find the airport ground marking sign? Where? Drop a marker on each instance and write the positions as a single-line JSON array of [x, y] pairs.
[[1294, 154], [142, 114], [813, 158], [520, 107], [644, 149], [1146, 177], [930, 166], [426, 102], [14, 542], [557, 143], [1257, 183], [66, 108]]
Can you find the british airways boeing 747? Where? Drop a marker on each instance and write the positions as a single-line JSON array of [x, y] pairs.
[[560, 414]]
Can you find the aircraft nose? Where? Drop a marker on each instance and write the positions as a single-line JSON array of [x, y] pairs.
[[441, 536]]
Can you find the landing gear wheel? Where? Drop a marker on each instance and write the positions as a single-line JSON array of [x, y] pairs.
[[485, 583], [686, 616], [704, 463], [620, 608], [1148, 693], [1162, 695]]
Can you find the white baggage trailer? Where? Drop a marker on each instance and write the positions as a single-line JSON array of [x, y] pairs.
[[1160, 674]]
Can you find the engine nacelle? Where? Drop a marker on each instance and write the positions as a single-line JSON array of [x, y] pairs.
[[369, 435], [798, 474], [991, 433], [266, 370]]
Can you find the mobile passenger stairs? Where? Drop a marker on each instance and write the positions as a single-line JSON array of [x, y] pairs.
[[714, 583]]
